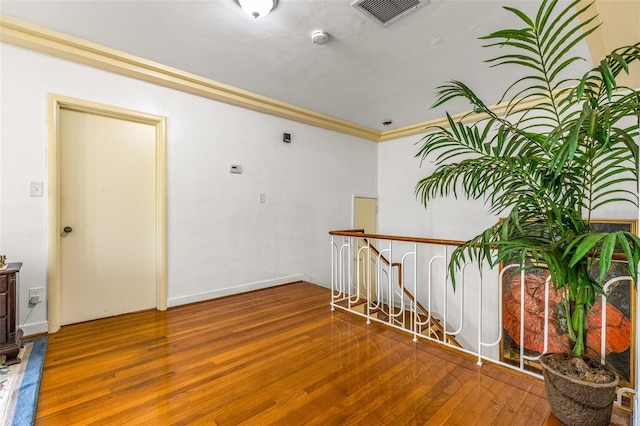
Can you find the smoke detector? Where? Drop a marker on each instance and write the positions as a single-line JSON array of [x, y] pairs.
[[386, 12], [319, 37]]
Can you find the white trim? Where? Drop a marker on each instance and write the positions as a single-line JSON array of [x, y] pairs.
[[228, 291], [310, 280], [35, 328]]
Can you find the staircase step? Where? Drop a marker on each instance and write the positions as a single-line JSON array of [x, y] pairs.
[[404, 318]]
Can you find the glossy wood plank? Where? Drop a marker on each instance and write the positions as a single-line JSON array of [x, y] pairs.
[[275, 356]]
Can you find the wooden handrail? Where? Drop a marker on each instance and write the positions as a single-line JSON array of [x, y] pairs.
[[358, 233]]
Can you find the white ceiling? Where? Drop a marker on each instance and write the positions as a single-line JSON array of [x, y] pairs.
[[365, 74]]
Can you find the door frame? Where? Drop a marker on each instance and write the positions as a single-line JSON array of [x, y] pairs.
[[55, 103]]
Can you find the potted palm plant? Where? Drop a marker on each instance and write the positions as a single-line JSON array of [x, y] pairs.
[[546, 168]]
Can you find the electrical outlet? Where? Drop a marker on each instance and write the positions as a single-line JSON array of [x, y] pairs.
[[35, 295]]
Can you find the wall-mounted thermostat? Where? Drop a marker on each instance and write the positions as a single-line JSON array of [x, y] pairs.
[[235, 168]]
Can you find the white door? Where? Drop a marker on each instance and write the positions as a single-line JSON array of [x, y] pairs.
[[107, 172], [365, 216]]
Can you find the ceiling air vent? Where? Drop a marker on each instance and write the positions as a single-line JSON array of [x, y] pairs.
[[386, 12]]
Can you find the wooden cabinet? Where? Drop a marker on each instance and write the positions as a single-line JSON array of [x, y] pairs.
[[10, 333]]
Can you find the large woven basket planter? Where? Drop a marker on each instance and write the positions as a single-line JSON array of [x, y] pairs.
[[576, 402]]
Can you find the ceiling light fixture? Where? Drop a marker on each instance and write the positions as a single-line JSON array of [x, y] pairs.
[[257, 8]]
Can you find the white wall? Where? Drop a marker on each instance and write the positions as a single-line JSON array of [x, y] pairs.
[[401, 213], [221, 240]]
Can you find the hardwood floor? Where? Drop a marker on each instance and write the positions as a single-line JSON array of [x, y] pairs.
[[275, 356]]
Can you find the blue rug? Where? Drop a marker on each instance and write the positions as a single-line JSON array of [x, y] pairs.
[[23, 384]]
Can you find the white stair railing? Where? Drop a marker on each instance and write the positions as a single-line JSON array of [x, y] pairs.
[[470, 319]]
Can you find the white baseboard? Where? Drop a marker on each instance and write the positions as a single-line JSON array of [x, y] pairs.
[[243, 288], [311, 280], [35, 328]]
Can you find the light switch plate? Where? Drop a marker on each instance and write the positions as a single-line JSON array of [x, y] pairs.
[[36, 189]]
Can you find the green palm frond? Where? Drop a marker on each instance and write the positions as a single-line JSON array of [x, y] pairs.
[[542, 48], [601, 81], [546, 166]]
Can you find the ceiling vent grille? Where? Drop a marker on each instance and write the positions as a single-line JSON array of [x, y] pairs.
[[386, 12]]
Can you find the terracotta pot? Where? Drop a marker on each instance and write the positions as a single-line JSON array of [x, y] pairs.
[[574, 401]]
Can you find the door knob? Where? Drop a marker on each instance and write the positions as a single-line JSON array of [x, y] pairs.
[[67, 229]]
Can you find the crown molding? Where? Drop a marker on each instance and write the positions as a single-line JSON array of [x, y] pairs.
[[43, 40], [33, 37], [465, 117]]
